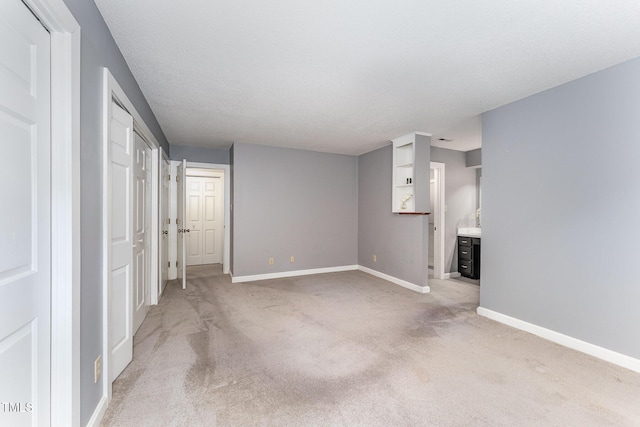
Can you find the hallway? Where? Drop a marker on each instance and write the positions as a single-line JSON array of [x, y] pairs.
[[350, 349]]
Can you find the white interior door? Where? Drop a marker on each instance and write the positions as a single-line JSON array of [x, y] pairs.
[[182, 265], [121, 149], [25, 231], [142, 230], [194, 187], [165, 176], [205, 220], [212, 220], [437, 216]]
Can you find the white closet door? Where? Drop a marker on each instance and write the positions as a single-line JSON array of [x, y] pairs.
[[121, 149], [141, 229], [25, 230]]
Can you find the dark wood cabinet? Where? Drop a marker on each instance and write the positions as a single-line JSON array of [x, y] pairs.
[[469, 257]]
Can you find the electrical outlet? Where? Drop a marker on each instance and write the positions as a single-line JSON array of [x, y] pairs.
[[270, 261], [375, 258], [293, 259], [97, 369]]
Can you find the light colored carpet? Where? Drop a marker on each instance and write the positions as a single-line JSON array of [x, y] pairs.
[[349, 349]]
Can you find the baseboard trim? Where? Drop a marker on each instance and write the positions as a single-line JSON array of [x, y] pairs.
[[98, 414], [607, 355], [451, 275], [403, 283], [295, 273], [267, 276]]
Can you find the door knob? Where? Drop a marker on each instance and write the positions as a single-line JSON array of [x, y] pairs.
[[187, 230]]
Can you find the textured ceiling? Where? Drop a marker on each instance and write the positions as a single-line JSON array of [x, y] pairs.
[[346, 76]]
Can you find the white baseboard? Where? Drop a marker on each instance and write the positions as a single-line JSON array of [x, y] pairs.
[[451, 275], [267, 276], [564, 340], [98, 414], [403, 283], [282, 274]]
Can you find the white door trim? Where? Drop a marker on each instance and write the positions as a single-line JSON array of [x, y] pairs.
[[439, 222], [181, 171], [226, 247], [155, 295], [65, 215], [111, 91], [154, 257]]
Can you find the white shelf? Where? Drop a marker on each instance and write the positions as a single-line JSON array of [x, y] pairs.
[[410, 152]]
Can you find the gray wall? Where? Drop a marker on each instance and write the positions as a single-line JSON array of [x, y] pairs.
[[460, 199], [400, 242], [474, 158], [561, 209], [198, 154], [293, 202], [97, 50]]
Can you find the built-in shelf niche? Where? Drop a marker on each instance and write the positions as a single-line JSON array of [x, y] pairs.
[[410, 168]]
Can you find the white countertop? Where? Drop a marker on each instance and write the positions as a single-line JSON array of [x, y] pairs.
[[470, 232]]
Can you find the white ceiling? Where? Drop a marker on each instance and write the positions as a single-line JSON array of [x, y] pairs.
[[346, 76]]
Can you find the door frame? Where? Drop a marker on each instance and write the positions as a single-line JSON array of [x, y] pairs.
[[162, 157], [211, 173], [173, 229], [439, 221], [113, 91], [226, 245], [64, 31]]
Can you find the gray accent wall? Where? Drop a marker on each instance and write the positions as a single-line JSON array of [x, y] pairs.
[[561, 207], [400, 242], [460, 199], [289, 202], [199, 154], [474, 158], [98, 50]]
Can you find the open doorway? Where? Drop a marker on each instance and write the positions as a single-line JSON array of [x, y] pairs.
[[204, 216], [187, 207], [436, 220]]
